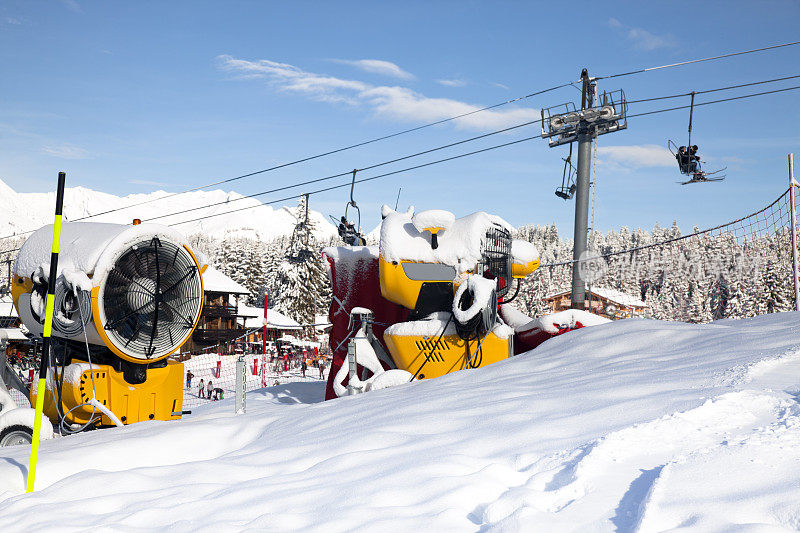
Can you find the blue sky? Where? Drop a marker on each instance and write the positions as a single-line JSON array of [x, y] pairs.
[[137, 96]]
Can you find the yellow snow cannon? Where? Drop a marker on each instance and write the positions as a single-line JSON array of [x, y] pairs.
[[451, 274], [126, 298]]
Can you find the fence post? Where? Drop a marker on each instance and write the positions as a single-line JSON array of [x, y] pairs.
[[241, 384], [793, 210]]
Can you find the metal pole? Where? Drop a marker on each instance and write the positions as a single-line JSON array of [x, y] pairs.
[[48, 325], [241, 385], [793, 210], [264, 337], [581, 218]]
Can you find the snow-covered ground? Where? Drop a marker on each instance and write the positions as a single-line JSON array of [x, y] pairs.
[[632, 426]]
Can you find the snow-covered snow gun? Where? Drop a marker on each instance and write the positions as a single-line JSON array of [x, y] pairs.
[[122, 299], [440, 282]]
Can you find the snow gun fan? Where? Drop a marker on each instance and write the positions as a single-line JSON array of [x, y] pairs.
[[126, 298]]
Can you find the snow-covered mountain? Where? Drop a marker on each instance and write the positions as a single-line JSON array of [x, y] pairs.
[[21, 212]]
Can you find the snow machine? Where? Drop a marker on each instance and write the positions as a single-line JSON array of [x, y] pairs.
[[16, 422], [430, 290], [126, 298]]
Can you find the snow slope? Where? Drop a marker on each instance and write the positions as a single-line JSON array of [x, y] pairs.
[[21, 212], [634, 425]]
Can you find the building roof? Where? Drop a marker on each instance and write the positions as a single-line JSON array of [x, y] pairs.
[[7, 306], [613, 295], [14, 334], [254, 318], [216, 281]]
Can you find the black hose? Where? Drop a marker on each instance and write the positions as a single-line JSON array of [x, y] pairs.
[[429, 356]]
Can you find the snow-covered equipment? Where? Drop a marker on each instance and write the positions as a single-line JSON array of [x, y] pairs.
[[434, 285], [16, 423], [126, 298]]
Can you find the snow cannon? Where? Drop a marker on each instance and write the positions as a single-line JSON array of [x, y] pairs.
[[126, 298], [440, 281]]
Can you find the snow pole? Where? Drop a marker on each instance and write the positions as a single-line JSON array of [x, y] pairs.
[[793, 211], [264, 336], [48, 325]]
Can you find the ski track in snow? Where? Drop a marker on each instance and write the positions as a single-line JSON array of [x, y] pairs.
[[632, 426]]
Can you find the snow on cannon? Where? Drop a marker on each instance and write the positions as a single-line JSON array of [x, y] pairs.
[[431, 290], [126, 298]]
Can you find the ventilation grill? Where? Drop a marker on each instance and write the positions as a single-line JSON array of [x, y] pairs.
[[151, 299], [433, 349]]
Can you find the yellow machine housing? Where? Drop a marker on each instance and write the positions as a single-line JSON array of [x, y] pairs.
[[447, 355], [160, 397]]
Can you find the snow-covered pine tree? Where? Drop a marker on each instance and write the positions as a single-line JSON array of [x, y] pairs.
[[302, 283]]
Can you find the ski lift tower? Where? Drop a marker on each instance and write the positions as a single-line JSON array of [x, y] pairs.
[[565, 124]]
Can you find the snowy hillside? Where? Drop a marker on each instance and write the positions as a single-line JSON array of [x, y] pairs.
[[631, 426], [24, 211]]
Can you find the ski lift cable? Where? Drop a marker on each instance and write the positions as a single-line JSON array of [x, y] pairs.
[[417, 128], [440, 148], [349, 172], [348, 184], [417, 154], [335, 151], [692, 61], [713, 90], [480, 151]]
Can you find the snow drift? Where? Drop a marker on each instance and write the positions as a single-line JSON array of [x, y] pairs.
[[632, 425]]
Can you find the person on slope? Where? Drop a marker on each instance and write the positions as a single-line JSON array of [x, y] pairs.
[[209, 389], [201, 389]]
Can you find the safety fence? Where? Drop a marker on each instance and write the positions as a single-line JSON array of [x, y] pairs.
[[738, 269], [216, 374]]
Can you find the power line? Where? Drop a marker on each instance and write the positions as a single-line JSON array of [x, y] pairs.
[[713, 58]]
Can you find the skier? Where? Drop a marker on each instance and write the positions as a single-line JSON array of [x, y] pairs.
[[209, 389], [189, 377], [304, 367], [201, 389], [321, 370]]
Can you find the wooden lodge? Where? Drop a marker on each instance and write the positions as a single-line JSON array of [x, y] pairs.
[[608, 303]]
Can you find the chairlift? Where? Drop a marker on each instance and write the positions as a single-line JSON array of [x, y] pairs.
[[688, 161], [349, 232], [567, 189]]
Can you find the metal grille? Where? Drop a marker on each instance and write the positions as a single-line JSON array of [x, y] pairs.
[[496, 257], [151, 299]]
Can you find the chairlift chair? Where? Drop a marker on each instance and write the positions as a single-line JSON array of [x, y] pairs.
[[696, 174], [567, 189]]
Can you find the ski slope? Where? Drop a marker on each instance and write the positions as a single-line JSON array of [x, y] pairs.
[[635, 425]]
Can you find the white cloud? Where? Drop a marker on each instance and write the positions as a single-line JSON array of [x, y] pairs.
[[500, 85], [395, 102], [452, 83], [641, 38], [13, 21], [66, 151], [72, 5], [634, 157], [377, 66]]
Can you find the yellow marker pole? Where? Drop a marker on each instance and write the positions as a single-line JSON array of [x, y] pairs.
[[48, 325]]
